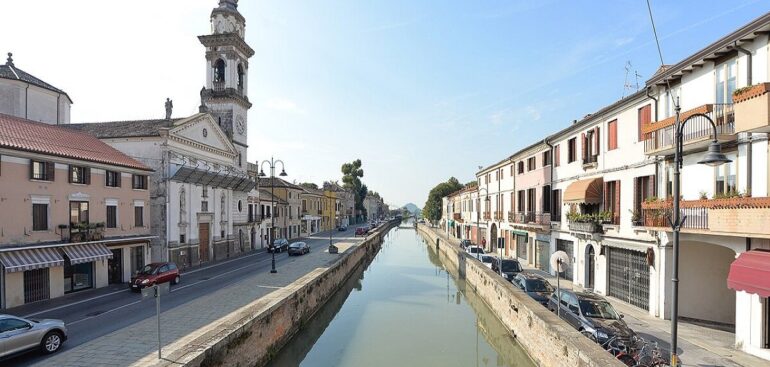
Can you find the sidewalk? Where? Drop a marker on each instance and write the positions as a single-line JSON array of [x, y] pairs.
[[698, 345]]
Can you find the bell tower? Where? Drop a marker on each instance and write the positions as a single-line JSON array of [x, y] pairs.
[[225, 95]]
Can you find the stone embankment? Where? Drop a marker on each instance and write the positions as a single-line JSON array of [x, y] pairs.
[[252, 335], [549, 340]]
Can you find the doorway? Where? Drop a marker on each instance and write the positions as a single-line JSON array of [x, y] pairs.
[[493, 238], [203, 238], [590, 265], [115, 267]]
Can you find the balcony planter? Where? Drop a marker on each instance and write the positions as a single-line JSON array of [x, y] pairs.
[[752, 108], [589, 227]]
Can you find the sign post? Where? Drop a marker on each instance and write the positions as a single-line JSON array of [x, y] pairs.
[[155, 291], [501, 246]]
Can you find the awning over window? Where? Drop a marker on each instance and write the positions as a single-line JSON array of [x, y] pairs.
[[750, 272], [87, 252], [588, 191], [30, 259]]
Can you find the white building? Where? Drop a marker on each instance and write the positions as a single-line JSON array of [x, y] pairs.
[[23, 95]]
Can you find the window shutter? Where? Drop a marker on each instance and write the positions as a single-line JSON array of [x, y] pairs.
[[606, 195], [31, 169], [69, 174], [87, 174], [652, 190], [50, 170], [597, 141], [584, 146], [616, 206], [556, 155], [120, 178], [637, 193]]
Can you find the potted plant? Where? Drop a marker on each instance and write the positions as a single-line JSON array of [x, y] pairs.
[[635, 217]]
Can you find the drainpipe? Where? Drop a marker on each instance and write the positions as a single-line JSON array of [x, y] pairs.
[[748, 147], [550, 178], [657, 162]]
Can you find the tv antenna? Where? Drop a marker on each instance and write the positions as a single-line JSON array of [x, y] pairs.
[[628, 86]]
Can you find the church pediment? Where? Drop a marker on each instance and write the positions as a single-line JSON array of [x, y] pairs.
[[202, 129]]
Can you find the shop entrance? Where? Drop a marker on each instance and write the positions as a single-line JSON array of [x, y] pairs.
[[115, 267]]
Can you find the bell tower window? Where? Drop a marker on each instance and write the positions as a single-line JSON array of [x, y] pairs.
[[219, 71], [240, 78]]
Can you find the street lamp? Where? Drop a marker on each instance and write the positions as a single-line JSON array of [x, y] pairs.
[[714, 157], [272, 163], [478, 214]]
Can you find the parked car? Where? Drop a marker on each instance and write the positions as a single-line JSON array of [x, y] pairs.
[[155, 273], [473, 250], [592, 315], [342, 228], [487, 260], [465, 243], [279, 245], [299, 248], [362, 231], [18, 335], [535, 286], [511, 267]]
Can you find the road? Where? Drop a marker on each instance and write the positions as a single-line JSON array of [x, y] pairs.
[[92, 316]]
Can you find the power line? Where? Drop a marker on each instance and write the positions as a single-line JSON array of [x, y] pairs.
[[660, 53]]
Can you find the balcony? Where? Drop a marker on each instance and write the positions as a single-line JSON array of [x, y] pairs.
[[531, 218], [499, 216], [734, 216], [752, 109], [487, 215], [659, 136], [590, 161], [456, 216], [218, 86], [587, 227]]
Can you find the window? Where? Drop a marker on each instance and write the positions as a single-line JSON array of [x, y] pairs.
[[521, 167], [181, 238], [531, 195], [205, 191], [112, 179], [204, 206], [240, 77], [43, 171], [726, 81], [39, 217], [612, 135], [644, 118], [531, 164], [571, 150], [726, 183], [521, 198], [556, 210], [512, 171], [612, 200], [546, 199], [219, 71], [138, 216], [556, 155], [240, 206], [546, 158], [670, 180], [80, 175], [112, 216], [12, 324], [139, 182], [644, 188]]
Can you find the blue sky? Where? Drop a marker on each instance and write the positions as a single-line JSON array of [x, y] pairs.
[[418, 90]]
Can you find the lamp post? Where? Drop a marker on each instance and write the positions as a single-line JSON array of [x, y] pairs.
[[272, 163], [478, 214], [332, 228], [714, 157]]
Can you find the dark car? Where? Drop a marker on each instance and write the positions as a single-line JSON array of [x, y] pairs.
[[362, 231], [342, 228], [536, 287], [279, 245], [593, 316], [299, 248], [511, 267], [155, 273]]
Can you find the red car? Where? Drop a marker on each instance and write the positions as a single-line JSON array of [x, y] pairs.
[[155, 273], [362, 231]]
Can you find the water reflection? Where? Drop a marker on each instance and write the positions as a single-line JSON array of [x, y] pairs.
[[408, 311]]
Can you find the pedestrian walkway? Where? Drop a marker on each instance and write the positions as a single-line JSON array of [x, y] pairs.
[[698, 345], [137, 345]]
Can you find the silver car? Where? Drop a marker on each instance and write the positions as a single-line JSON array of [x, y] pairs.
[[18, 335]]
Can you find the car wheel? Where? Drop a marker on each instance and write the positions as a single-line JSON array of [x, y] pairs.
[[51, 342], [176, 280]]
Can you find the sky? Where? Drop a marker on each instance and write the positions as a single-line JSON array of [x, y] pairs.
[[420, 91]]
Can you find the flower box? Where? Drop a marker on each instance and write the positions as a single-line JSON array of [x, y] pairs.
[[752, 108]]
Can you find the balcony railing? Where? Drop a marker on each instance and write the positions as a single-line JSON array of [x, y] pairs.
[[659, 136], [218, 86], [499, 216], [487, 215], [590, 161], [531, 218], [588, 227]]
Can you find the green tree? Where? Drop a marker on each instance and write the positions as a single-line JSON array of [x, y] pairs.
[[432, 209], [351, 180], [309, 185]]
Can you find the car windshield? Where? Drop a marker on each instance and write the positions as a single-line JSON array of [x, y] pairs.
[[598, 309], [486, 259], [296, 245], [538, 285], [511, 266], [148, 270], [476, 250]]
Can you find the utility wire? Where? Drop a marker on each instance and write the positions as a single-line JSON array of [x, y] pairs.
[[660, 53]]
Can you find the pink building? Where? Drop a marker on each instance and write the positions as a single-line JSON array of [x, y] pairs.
[[74, 212]]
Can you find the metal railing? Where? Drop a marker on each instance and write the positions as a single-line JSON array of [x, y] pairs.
[[531, 217], [589, 227], [218, 86], [696, 129], [487, 215], [591, 159], [697, 217]]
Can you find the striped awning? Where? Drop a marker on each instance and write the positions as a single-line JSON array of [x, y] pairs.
[[30, 259], [87, 252]]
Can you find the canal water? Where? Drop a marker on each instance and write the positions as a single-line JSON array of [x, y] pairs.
[[403, 309]]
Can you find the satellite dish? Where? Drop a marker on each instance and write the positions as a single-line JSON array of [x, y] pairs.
[[560, 261]]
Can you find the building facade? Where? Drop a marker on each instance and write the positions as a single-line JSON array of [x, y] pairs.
[[25, 96], [311, 211]]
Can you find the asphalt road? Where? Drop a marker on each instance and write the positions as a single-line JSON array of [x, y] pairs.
[[92, 315]]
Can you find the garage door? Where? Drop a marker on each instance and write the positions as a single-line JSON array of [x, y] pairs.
[[629, 277]]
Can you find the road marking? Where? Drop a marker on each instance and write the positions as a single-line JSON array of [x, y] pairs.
[[105, 312], [217, 276], [224, 262], [268, 286], [75, 303]]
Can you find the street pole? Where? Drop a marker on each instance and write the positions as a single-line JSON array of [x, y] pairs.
[[157, 311], [272, 163]]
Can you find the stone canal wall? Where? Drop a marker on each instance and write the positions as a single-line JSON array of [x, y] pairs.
[[252, 335], [549, 340]]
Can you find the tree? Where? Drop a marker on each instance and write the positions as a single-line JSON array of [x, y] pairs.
[[432, 209], [351, 179]]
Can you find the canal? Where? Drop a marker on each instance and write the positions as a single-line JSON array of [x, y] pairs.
[[403, 309]]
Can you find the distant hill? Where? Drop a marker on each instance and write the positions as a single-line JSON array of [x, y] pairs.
[[412, 208]]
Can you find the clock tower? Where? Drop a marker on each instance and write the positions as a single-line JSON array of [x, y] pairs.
[[225, 95]]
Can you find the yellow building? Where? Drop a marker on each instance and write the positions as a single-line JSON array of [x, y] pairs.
[[330, 210]]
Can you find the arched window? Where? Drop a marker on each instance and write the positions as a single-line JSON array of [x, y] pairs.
[[219, 71], [240, 78]]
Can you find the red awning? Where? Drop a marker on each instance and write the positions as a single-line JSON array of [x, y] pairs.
[[750, 272]]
